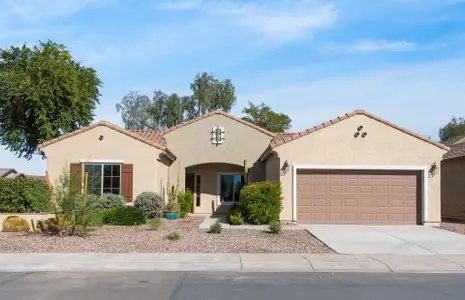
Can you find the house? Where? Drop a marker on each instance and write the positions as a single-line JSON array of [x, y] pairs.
[[354, 169], [453, 179], [10, 173]]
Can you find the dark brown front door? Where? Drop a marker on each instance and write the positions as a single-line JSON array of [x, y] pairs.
[[358, 197]]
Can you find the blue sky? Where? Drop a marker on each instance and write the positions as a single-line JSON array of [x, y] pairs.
[[403, 60]]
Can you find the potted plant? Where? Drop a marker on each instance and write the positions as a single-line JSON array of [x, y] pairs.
[[171, 211]]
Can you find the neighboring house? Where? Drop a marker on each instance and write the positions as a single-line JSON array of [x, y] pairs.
[[10, 173], [453, 180], [357, 168]]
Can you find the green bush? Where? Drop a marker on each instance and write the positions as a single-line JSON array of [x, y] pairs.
[[174, 236], [49, 225], [185, 199], [24, 195], [261, 202], [126, 216], [235, 216], [110, 201], [151, 204], [15, 224], [275, 227], [94, 211], [216, 227], [154, 223]]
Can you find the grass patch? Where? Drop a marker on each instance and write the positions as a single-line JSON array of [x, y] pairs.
[[154, 223]]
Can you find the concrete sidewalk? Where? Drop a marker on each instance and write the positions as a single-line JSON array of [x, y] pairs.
[[110, 262]]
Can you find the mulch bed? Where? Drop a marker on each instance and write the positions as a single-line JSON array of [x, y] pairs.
[[120, 239]]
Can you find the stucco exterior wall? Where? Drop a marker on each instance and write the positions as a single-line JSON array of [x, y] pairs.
[[192, 146], [209, 186], [383, 145], [453, 188], [114, 146]]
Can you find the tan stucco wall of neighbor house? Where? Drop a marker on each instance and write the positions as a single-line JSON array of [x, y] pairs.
[[383, 145], [453, 188], [192, 146], [114, 146], [209, 185]]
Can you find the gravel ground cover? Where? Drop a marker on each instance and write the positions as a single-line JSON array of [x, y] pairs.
[[112, 239], [454, 227]]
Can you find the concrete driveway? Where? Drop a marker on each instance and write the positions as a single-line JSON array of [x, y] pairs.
[[409, 240]]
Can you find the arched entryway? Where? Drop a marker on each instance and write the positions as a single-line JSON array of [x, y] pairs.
[[215, 186]]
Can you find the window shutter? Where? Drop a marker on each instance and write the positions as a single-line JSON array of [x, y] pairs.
[[76, 176], [127, 182]]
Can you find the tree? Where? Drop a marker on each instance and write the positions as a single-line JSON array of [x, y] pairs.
[[164, 111], [44, 93], [262, 115], [455, 128]]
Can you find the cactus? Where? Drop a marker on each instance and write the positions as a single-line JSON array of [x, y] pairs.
[[246, 172]]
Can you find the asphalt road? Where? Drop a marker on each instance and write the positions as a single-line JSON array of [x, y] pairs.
[[225, 286]]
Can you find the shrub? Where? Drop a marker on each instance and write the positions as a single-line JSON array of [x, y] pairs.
[[126, 216], [24, 195], [15, 224], [235, 216], [261, 201], [185, 199], [216, 227], [151, 204], [154, 223], [275, 227], [174, 236], [172, 206], [73, 215], [49, 225], [110, 201]]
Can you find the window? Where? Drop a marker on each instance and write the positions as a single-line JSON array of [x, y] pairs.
[[198, 184], [103, 178], [231, 186]]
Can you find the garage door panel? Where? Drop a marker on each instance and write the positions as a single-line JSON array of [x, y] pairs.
[[353, 196]]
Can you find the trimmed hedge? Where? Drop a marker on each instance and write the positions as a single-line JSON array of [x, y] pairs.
[[126, 216], [24, 195], [261, 202]]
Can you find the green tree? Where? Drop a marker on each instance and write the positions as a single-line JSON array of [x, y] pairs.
[[262, 115], [164, 111], [455, 128], [209, 94], [44, 93]]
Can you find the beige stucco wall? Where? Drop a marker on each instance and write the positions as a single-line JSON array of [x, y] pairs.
[[209, 185], [192, 146], [383, 145], [453, 188], [114, 146]]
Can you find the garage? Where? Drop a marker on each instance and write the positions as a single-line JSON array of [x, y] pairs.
[[351, 196]]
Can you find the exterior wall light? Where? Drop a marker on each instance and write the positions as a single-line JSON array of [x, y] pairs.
[[285, 168], [433, 170]]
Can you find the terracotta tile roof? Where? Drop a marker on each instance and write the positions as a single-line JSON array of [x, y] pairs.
[[281, 139], [140, 137], [219, 112], [154, 135]]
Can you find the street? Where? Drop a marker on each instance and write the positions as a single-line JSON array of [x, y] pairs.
[[231, 285]]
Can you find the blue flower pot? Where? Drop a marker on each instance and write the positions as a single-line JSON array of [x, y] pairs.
[[171, 215]]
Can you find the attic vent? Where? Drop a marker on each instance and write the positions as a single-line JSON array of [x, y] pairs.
[[217, 135]]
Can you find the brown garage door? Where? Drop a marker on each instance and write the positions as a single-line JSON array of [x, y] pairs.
[[357, 197]]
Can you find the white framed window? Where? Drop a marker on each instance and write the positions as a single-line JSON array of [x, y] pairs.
[[229, 188], [103, 178]]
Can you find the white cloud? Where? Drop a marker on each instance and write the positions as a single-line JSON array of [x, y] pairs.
[[369, 46], [419, 97], [46, 9], [278, 20]]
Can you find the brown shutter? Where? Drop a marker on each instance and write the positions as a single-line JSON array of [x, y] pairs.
[[127, 181], [75, 176]]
